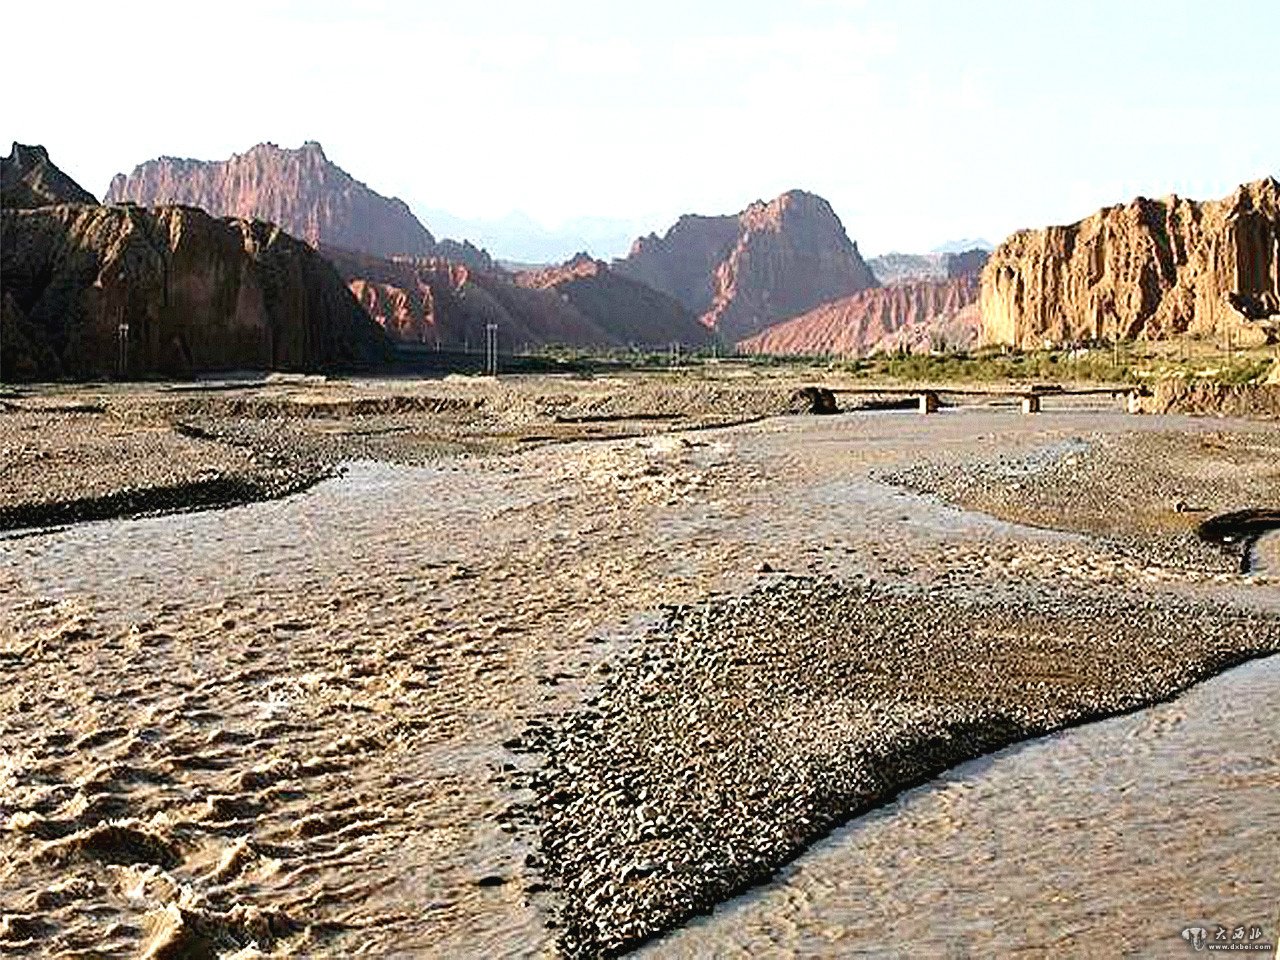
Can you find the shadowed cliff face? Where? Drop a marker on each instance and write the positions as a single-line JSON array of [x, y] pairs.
[[1154, 267], [198, 294], [629, 311], [28, 178], [582, 303], [301, 190], [439, 303], [915, 315], [742, 273]]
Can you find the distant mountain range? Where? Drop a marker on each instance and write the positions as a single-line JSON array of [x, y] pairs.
[[902, 267], [960, 246], [198, 261], [724, 277], [779, 276], [518, 238]]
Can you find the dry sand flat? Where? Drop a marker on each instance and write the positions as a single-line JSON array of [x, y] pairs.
[[342, 722]]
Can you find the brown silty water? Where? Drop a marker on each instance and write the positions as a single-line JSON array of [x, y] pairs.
[[1107, 840], [295, 721]]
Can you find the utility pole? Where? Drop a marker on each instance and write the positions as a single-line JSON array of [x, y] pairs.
[[122, 333], [491, 349]]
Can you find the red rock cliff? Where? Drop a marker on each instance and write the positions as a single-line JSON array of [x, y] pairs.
[[301, 190], [439, 303], [740, 274], [630, 312], [198, 294], [917, 314], [582, 303], [1154, 267]]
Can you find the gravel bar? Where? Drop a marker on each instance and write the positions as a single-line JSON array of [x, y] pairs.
[[743, 729]]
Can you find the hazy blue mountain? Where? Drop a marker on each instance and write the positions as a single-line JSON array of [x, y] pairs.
[[960, 246], [518, 237]]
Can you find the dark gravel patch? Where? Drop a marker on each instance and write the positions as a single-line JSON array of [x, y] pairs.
[[213, 492], [743, 730]]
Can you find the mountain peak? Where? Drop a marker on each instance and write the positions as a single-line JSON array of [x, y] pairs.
[[28, 178], [299, 189], [741, 273]]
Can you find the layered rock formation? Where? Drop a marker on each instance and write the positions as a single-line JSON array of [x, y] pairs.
[[448, 305], [191, 292], [900, 267], [1158, 268], [628, 311], [917, 315], [740, 274], [300, 190], [960, 330], [28, 178]]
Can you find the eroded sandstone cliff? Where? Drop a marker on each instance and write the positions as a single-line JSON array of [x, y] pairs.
[[915, 315], [629, 311], [740, 274], [1157, 268], [448, 305], [28, 178], [301, 190], [197, 294]]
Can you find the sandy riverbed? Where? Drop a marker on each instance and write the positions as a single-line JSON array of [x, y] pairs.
[[434, 706]]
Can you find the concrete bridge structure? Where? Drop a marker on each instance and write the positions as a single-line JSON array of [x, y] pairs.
[[929, 398]]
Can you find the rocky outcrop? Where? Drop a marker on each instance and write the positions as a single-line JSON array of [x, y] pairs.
[[1199, 398], [301, 190], [1157, 268], [901, 267], [197, 294], [740, 274], [965, 263], [467, 253], [448, 305], [28, 178], [947, 331], [917, 316], [628, 311]]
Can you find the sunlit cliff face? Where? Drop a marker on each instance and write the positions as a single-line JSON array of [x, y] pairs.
[[1154, 267]]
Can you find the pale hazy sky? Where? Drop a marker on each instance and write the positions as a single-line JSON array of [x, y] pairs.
[[920, 121]]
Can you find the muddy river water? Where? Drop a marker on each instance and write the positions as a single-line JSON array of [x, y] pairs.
[[305, 705]]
